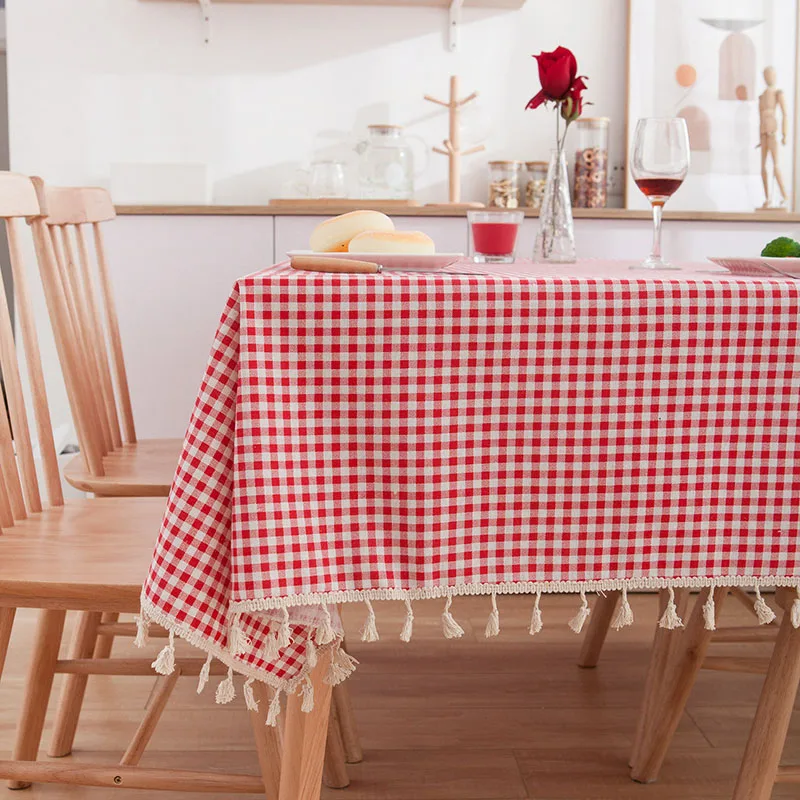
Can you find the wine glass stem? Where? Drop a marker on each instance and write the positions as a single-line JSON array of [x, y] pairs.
[[656, 252]]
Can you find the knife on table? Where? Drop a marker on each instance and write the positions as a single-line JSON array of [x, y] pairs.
[[353, 265]]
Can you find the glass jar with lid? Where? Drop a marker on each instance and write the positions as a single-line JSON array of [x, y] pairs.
[[386, 167], [504, 184], [537, 180], [591, 162]]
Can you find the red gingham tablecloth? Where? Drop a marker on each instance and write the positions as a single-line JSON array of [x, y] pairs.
[[535, 429]]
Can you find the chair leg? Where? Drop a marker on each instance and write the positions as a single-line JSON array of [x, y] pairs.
[[105, 642], [158, 702], [681, 664], [6, 624], [268, 744], [74, 687], [334, 773], [305, 737], [599, 623], [347, 724], [38, 688], [762, 754]]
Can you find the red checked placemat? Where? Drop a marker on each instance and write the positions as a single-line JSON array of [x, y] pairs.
[[536, 429]]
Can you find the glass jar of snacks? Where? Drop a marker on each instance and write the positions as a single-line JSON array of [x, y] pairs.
[[504, 184], [537, 180], [591, 162]]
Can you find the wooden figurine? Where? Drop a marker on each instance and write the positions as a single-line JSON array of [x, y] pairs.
[[769, 102], [451, 147]]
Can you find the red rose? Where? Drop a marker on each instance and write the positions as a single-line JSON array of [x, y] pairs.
[[572, 105], [557, 73]]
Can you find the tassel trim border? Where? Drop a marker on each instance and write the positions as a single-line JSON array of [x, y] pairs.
[[342, 664]]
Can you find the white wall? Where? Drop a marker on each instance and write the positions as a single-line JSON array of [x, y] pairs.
[[93, 82]]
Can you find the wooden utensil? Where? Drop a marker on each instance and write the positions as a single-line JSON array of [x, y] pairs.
[[327, 264]]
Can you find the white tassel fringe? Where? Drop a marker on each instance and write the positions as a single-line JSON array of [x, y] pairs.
[[238, 640], [274, 709], [249, 698], [226, 691], [623, 617], [311, 654], [165, 660], [670, 619], [450, 628], [579, 620], [142, 630], [710, 612], [764, 613], [408, 625], [796, 610], [307, 691], [536, 617], [284, 632], [325, 633], [369, 633], [493, 624], [205, 673], [342, 666]]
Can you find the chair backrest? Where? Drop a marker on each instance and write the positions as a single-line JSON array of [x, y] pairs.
[[19, 483], [85, 320]]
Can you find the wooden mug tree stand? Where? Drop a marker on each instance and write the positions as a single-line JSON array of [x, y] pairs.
[[451, 147]]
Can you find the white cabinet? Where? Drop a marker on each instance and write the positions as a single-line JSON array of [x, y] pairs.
[[171, 277]]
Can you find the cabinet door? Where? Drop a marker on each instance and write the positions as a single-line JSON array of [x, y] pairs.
[[449, 233], [172, 276]]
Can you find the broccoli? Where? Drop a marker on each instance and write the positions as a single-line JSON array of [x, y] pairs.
[[782, 247]]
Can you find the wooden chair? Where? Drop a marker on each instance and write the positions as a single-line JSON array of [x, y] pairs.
[[113, 461], [91, 556], [143, 468]]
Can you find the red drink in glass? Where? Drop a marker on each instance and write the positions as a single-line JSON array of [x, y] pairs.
[[494, 238], [658, 189], [494, 234]]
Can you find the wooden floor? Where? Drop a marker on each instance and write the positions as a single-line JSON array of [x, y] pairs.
[[464, 720]]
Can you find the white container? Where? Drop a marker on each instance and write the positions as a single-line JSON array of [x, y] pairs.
[[160, 184]]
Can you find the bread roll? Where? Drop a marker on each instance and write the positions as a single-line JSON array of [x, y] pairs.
[[406, 242], [333, 235]]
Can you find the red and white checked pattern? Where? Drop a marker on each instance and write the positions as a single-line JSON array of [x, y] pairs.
[[420, 433]]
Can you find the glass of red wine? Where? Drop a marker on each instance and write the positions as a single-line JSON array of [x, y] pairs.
[[659, 164]]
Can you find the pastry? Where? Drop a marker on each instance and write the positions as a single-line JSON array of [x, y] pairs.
[[333, 235]]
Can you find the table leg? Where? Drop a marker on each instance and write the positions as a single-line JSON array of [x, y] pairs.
[[762, 754], [664, 643], [599, 623], [677, 679], [304, 741]]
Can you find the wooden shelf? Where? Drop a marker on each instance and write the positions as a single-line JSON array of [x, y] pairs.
[[498, 4], [447, 211]]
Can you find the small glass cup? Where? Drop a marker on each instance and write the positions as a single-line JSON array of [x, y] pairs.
[[493, 235], [327, 179]]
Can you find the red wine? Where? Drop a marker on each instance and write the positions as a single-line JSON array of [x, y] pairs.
[[494, 238], [658, 190]]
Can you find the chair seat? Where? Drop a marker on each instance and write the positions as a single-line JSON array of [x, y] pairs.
[[91, 554], [142, 469]]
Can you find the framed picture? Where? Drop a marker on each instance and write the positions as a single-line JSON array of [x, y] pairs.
[[730, 70]]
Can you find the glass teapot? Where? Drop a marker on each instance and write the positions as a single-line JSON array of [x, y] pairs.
[[386, 167]]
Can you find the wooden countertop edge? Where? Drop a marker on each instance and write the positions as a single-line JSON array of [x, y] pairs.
[[446, 211]]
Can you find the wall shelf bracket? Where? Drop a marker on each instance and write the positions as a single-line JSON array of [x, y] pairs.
[[205, 10], [454, 22]]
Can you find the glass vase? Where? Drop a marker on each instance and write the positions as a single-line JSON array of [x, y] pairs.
[[555, 241]]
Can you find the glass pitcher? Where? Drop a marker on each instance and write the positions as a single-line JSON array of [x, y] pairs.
[[386, 168]]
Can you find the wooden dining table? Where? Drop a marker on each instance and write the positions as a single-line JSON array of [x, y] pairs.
[[477, 430]]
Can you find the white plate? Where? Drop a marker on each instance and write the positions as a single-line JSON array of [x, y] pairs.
[[392, 260], [757, 267], [789, 266]]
